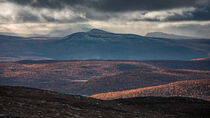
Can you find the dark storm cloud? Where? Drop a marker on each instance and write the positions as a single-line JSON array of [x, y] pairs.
[[107, 9], [114, 5], [48, 18], [202, 14], [53, 4], [134, 5], [25, 16]]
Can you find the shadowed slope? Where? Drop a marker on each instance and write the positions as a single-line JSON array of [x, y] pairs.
[[21, 102]]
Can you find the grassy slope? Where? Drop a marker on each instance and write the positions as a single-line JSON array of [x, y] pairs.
[[188, 88]]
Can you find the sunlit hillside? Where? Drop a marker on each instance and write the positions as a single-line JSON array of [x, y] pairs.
[[189, 88]]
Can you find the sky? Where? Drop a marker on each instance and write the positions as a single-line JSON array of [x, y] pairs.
[[58, 18]]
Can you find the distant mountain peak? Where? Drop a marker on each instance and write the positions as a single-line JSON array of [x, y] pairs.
[[166, 35], [98, 31]]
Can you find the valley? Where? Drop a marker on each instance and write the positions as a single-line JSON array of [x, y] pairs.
[[98, 76]]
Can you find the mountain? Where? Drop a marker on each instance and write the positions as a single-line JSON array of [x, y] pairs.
[[22, 102], [99, 44], [98, 76], [167, 36], [188, 88]]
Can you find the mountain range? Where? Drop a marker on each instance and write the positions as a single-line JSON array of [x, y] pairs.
[[167, 36], [99, 44]]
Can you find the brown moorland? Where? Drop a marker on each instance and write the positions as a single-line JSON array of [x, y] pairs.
[[22, 102], [98, 76], [189, 88]]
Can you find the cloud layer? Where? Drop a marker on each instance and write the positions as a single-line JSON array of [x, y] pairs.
[[115, 8], [87, 14], [114, 5]]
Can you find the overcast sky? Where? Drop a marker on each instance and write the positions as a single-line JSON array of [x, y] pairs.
[[63, 17]]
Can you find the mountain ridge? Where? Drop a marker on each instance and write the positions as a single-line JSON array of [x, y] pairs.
[[167, 35], [98, 31], [99, 44]]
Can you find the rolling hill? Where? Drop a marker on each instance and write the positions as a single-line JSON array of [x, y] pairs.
[[189, 88], [136, 79], [22, 102], [98, 76], [98, 44]]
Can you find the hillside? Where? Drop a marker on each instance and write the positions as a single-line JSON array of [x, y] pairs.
[[98, 44], [98, 76], [136, 79], [21, 102], [189, 88]]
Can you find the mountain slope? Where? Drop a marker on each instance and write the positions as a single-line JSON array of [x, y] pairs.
[[21, 102], [99, 44], [167, 36], [188, 88]]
